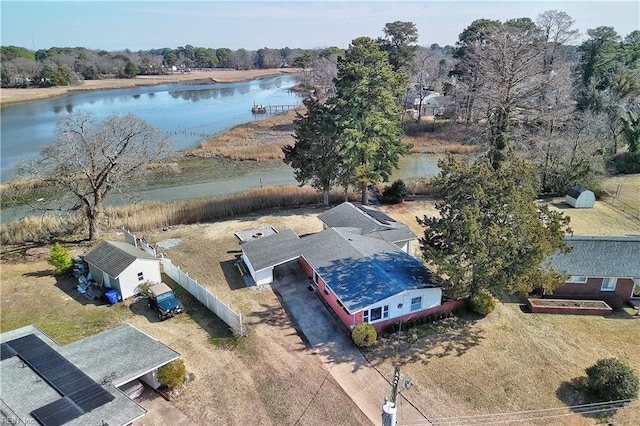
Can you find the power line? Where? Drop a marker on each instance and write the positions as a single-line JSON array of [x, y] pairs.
[[544, 413]]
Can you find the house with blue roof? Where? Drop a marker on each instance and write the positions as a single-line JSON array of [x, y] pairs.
[[362, 276]]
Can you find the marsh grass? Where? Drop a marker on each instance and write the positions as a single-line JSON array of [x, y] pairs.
[[151, 216], [260, 140]]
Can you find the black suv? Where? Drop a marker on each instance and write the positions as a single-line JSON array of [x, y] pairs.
[[163, 301]]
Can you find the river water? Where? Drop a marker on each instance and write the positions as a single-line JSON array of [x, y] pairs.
[[191, 113]]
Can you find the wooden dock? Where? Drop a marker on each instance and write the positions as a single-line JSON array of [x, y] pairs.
[[272, 109]]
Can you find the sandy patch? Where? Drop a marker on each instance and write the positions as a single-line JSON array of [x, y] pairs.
[[8, 96]]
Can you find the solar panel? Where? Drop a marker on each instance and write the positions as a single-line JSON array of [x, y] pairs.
[[63, 376], [377, 215], [57, 412], [6, 351], [91, 397], [80, 394]]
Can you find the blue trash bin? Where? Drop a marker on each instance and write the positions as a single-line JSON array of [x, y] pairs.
[[112, 296]]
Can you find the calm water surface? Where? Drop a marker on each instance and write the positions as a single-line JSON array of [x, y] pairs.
[[189, 112]]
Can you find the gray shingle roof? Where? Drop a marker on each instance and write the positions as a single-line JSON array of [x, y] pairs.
[[114, 257], [369, 220], [24, 391], [273, 249], [361, 270], [600, 257]]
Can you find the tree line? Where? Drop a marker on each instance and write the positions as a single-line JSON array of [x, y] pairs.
[[58, 66], [546, 114]]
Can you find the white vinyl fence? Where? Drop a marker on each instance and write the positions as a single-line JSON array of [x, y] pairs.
[[211, 301], [215, 305]]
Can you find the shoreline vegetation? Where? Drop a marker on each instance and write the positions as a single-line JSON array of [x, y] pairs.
[[249, 146], [17, 95]]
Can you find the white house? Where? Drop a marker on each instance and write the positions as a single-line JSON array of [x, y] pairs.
[[123, 267]]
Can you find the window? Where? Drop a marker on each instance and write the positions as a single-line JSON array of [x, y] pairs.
[[365, 316], [416, 303], [375, 314], [385, 311], [608, 284], [140, 276], [577, 280]]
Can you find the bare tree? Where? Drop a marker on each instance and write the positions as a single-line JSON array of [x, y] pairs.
[[89, 159]]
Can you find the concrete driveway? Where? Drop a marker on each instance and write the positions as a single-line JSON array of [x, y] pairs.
[[330, 341]]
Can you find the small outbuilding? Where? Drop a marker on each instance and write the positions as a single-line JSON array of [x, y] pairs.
[[123, 267], [580, 198]]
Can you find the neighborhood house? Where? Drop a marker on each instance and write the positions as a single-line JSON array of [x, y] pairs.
[[360, 267], [601, 268], [79, 383], [123, 267]]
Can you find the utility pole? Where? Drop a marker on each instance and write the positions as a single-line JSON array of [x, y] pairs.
[[390, 408]]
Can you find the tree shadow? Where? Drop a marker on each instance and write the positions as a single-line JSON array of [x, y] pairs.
[[574, 394], [68, 285], [232, 274], [192, 310], [448, 337]]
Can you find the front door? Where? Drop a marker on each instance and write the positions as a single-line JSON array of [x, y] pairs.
[[106, 280]]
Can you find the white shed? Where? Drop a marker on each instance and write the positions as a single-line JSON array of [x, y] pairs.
[[580, 198], [123, 267]]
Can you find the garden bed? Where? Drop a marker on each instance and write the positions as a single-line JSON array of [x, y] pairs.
[[575, 307]]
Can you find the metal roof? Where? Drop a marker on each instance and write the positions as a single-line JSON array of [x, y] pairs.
[[114, 257], [369, 220], [600, 257], [576, 191]]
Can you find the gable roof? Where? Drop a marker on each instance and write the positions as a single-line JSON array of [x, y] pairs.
[[114, 257], [600, 257], [360, 270], [369, 220]]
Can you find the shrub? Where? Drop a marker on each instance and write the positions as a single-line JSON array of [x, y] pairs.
[[482, 303], [172, 375], [396, 193], [364, 335], [627, 162], [612, 379], [60, 259]]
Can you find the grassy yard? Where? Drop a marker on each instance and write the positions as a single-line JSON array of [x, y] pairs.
[[509, 361]]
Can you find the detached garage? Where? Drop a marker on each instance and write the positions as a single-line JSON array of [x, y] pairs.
[[580, 198], [123, 267]]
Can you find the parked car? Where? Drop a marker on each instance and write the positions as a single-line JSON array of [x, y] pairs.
[[163, 301], [133, 389]]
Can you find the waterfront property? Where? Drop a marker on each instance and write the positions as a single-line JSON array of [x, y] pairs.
[[361, 276]]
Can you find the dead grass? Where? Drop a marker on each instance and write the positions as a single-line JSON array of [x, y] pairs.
[[260, 140], [510, 361], [629, 189], [602, 219], [269, 378]]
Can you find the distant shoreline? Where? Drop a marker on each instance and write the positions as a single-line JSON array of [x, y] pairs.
[[14, 96]]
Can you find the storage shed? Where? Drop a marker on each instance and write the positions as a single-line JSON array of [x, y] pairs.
[[123, 267], [580, 198]]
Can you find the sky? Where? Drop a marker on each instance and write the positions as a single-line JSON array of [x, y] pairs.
[[143, 25]]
